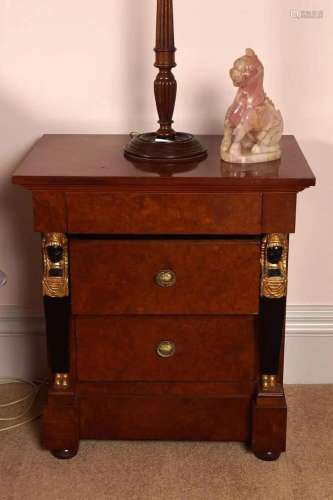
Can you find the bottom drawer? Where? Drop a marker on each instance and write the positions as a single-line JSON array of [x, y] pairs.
[[188, 348], [166, 418]]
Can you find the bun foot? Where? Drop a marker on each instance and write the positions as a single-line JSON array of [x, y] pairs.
[[64, 454], [268, 456]]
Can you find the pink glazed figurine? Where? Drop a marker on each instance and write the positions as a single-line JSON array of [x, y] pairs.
[[253, 126]]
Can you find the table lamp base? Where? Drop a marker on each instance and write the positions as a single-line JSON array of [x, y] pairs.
[[149, 146]]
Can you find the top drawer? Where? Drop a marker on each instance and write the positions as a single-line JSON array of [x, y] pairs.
[[165, 276], [164, 213]]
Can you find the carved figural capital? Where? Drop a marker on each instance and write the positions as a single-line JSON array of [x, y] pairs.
[[55, 261], [274, 262], [253, 126]]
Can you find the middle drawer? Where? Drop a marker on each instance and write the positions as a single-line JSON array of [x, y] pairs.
[[165, 276]]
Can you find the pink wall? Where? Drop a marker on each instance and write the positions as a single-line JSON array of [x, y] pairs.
[[84, 66]]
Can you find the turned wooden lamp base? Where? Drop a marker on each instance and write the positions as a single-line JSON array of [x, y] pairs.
[[182, 147], [165, 145]]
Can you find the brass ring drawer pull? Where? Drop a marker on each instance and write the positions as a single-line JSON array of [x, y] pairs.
[[165, 278], [166, 349]]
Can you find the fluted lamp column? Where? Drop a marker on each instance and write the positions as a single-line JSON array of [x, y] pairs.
[[165, 144]]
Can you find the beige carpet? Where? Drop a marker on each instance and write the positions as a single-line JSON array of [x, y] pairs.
[[179, 471]]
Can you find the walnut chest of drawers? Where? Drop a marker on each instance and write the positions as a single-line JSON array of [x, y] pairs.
[[164, 291]]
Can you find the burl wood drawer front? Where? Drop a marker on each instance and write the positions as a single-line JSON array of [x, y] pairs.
[[120, 276], [165, 418], [203, 348], [164, 213]]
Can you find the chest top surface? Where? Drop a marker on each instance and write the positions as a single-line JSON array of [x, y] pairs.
[[97, 162]]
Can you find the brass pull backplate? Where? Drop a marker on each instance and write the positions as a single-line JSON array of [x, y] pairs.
[[166, 349], [165, 278]]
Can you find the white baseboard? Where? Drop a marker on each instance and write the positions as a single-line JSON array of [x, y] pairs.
[[309, 345], [22, 344], [308, 354]]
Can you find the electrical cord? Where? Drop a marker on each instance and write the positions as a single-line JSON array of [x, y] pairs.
[[30, 397]]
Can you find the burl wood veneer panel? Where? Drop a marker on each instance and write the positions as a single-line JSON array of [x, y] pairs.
[[206, 348], [119, 276], [164, 213], [269, 424], [279, 212], [166, 418], [50, 213]]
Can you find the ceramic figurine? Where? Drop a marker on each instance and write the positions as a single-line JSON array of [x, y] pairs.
[[253, 126]]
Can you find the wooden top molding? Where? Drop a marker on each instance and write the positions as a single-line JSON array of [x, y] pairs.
[[85, 162]]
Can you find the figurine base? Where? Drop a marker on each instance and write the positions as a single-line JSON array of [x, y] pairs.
[[182, 147], [251, 158]]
